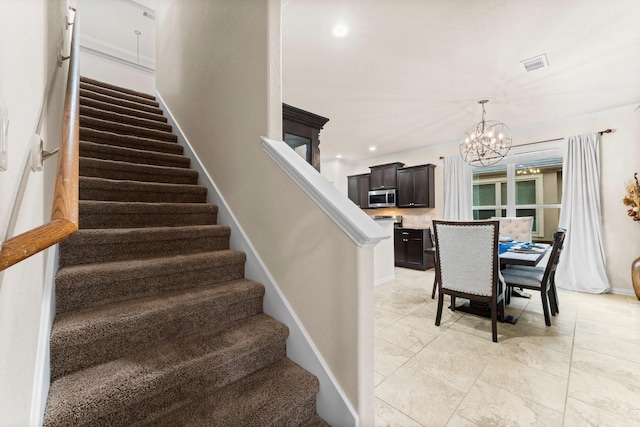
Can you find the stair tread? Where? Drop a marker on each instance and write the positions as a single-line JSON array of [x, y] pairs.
[[116, 117], [253, 400], [87, 80], [100, 206], [116, 385], [87, 92], [121, 109], [138, 98], [98, 150], [126, 129], [87, 285], [118, 165], [104, 137], [127, 184]]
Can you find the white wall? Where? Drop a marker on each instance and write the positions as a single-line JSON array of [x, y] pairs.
[[620, 152], [108, 71], [218, 70], [32, 36]]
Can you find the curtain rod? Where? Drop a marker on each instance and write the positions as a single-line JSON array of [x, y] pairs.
[[548, 140]]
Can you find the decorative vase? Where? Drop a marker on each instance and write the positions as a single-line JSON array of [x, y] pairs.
[[635, 276]]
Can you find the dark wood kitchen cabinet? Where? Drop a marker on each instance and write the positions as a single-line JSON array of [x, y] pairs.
[[410, 248], [415, 187], [384, 176], [358, 189]]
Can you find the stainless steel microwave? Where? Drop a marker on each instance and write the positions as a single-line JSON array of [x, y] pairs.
[[382, 198]]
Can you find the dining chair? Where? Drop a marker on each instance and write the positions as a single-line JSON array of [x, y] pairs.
[[519, 228], [467, 266], [539, 278]]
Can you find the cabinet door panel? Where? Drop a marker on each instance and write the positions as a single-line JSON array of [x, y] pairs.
[[415, 252], [420, 187], [404, 190]]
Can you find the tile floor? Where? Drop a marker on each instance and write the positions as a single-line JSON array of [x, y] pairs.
[[584, 370]]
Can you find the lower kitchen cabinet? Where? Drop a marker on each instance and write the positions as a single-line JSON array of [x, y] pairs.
[[410, 248]]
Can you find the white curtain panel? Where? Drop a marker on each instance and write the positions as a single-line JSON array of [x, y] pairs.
[[458, 184], [582, 262]]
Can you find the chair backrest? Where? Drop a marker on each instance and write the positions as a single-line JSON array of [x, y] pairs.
[[558, 242], [518, 228], [467, 256]]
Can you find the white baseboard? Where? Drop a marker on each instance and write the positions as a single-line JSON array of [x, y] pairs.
[[385, 279]]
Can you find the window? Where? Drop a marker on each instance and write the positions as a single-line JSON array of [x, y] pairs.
[[531, 188]]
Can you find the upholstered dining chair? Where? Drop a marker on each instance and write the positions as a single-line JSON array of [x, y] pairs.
[[518, 228], [539, 278], [467, 266]]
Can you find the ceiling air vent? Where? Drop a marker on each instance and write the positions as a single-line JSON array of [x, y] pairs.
[[535, 63], [148, 15]]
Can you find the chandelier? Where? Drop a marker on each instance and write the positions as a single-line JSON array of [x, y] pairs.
[[485, 143]]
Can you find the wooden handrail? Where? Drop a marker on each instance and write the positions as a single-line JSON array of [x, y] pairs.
[[64, 209]]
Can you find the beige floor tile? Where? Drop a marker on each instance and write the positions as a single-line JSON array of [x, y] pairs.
[[604, 393], [458, 421], [389, 357], [480, 327], [466, 345], [546, 337], [378, 378], [490, 406], [603, 328], [412, 339], [530, 383], [429, 401], [611, 367], [425, 318], [607, 345], [580, 414], [386, 318], [453, 369], [388, 416], [535, 356]]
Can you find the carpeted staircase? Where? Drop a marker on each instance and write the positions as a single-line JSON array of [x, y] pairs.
[[155, 323]]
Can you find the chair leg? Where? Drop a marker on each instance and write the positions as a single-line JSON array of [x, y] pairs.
[[494, 322], [435, 285], [555, 303], [439, 312], [545, 307], [507, 295]]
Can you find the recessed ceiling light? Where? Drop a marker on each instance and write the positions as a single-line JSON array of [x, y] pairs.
[[340, 30], [372, 148], [338, 156]]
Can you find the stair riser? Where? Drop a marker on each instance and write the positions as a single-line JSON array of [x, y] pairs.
[[94, 103], [81, 249], [118, 154], [82, 290], [119, 95], [125, 141], [85, 93], [114, 219], [124, 129], [86, 111], [107, 345], [121, 171]]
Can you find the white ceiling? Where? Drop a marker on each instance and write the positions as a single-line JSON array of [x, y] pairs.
[[410, 72]]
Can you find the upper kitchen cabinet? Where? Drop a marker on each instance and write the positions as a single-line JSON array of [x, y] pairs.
[[415, 187], [301, 131], [384, 176], [358, 189]]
